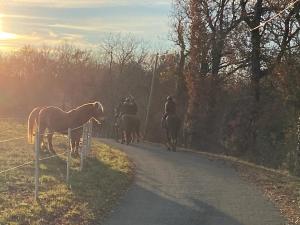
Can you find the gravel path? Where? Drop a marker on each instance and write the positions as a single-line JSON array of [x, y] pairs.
[[181, 188]]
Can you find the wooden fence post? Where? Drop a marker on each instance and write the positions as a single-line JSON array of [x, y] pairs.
[[81, 159], [69, 155], [90, 130], [86, 142], [37, 163], [84, 139], [82, 151], [297, 152]]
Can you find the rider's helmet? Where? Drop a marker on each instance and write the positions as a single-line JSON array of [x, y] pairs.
[[169, 98], [132, 98], [122, 99], [127, 100]]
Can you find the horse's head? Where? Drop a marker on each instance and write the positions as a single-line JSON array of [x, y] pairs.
[[98, 111]]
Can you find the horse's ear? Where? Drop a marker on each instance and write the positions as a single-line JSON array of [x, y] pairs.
[[98, 106]]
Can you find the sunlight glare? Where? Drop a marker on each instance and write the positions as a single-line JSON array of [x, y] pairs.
[[5, 35]]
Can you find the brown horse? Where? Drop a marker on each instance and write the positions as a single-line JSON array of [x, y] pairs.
[[130, 128], [56, 120]]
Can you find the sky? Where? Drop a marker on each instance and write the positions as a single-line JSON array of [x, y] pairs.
[[83, 23]]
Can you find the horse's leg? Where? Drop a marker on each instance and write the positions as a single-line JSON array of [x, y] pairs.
[[119, 133], [77, 140], [168, 139], [128, 135], [123, 135], [42, 131], [73, 145], [76, 146], [174, 140], [131, 140], [116, 131], [137, 133], [176, 137], [133, 137], [50, 146], [131, 134]]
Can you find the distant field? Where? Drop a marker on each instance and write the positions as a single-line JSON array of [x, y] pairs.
[[107, 174]]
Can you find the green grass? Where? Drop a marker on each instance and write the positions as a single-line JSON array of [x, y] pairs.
[[91, 195]]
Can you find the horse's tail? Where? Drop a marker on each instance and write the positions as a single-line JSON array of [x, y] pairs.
[[32, 124]]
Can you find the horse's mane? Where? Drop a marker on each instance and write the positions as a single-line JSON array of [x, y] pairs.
[[79, 108]]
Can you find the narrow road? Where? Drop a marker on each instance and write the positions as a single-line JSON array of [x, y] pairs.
[[181, 188]]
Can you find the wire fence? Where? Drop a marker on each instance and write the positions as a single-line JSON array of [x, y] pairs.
[[12, 139], [44, 134], [4, 131], [84, 150], [30, 162]]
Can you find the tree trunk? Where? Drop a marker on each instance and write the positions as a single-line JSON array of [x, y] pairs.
[[181, 89], [256, 71], [297, 152]]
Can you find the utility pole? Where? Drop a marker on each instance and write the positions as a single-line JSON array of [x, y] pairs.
[[150, 97], [297, 153], [111, 79]]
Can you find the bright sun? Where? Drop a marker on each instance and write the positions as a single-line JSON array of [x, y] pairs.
[[5, 35]]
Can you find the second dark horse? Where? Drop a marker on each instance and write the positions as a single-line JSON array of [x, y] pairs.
[[55, 119], [172, 129], [130, 128]]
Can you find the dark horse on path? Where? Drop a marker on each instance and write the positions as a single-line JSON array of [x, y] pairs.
[[116, 128], [55, 119], [172, 128], [130, 128]]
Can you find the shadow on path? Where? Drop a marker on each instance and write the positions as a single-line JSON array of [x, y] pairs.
[[143, 207]]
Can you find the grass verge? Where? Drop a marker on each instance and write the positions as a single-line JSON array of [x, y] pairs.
[[91, 195]]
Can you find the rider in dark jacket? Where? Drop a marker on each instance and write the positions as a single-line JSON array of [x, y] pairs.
[[119, 108], [133, 107], [126, 107], [170, 109]]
